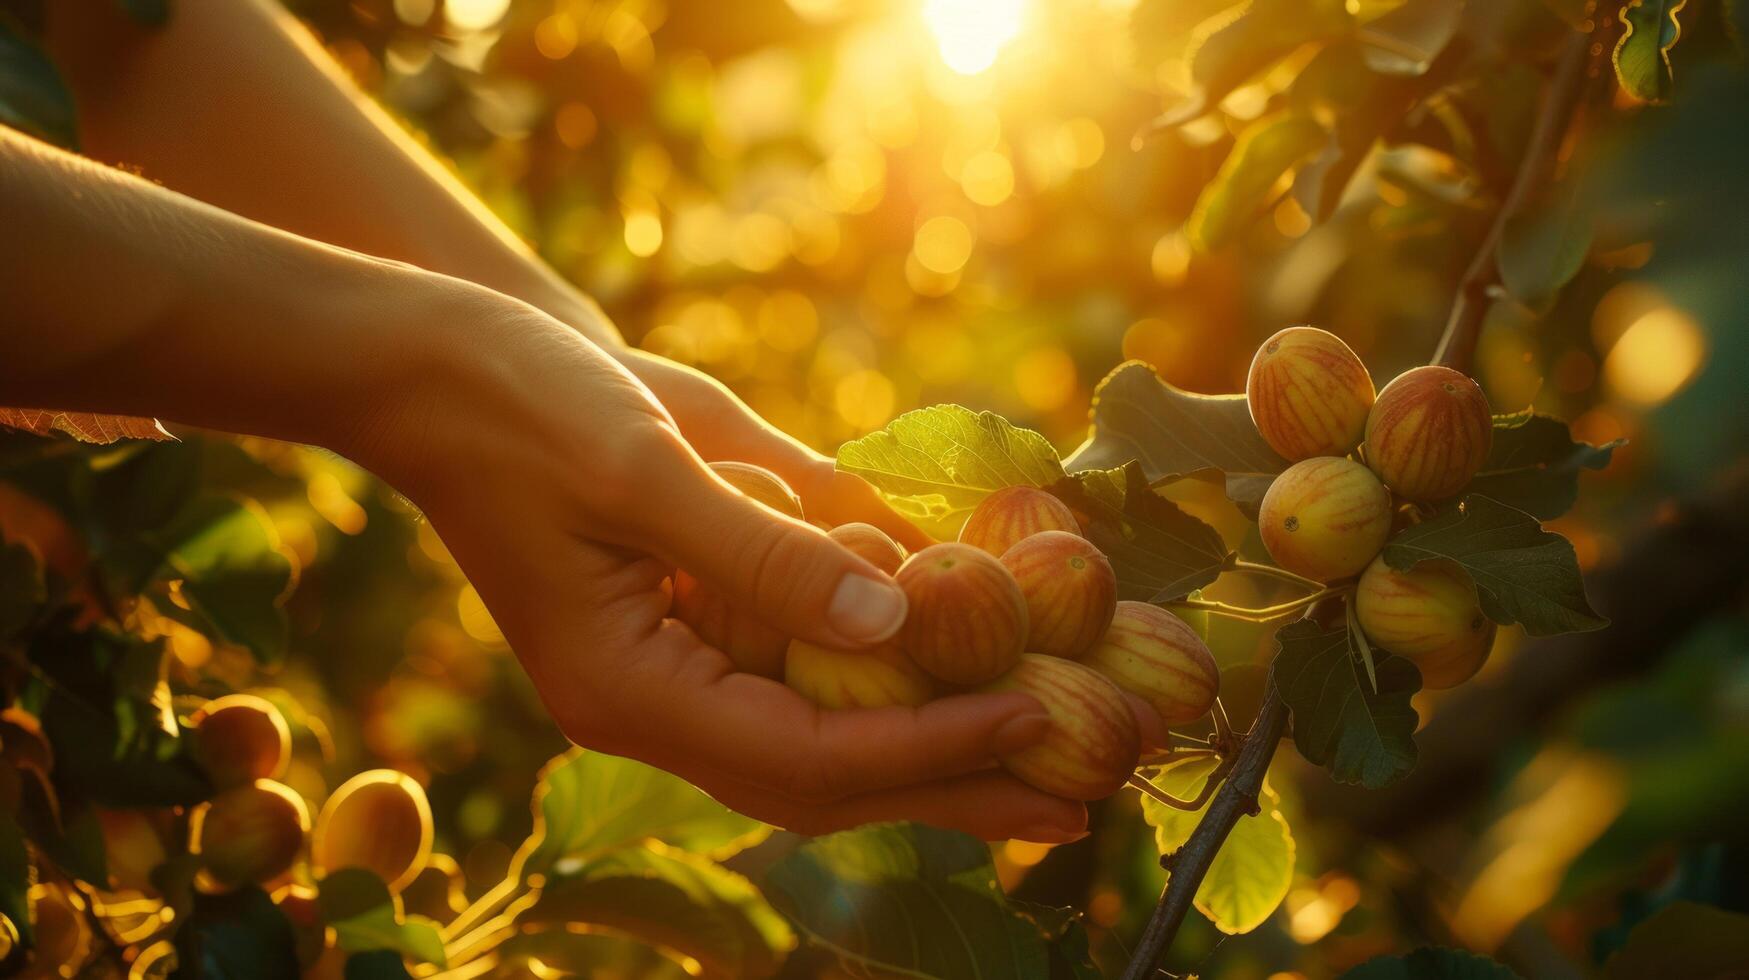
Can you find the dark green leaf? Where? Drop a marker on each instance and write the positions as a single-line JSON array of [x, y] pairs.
[[33, 97], [226, 554], [1524, 574], [377, 964], [589, 803], [22, 590], [1158, 551], [1339, 721], [239, 935], [909, 899], [1406, 39], [1544, 245], [1642, 56], [675, 900], [1267, 149], [938, 462], [1534, 464], [151, 13], [359, 908], [1684, 939], [1175, 433], [1231, 47], [1431, 963], [1066, 934]]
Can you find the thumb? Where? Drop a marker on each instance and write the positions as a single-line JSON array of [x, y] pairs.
[[788, 574]]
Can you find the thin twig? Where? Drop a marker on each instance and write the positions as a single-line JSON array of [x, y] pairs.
[[1216, 777], [1258, 568], [1260, 614]]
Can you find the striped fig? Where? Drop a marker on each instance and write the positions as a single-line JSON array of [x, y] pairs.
[[967, 621], [1428, 615], [871, 544], [1002, 519], [1070, 590], [1429, 433], [1308, 393], [1093, 742], [1159, 658], [1325, 518], [872, 678]]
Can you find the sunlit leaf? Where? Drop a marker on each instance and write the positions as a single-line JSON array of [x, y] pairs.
[[33, 99], [359, 908], [226, 555], [1339, 721], [941, 461], [1254, 868], [1642, 56], [1534, 464], [1524, 574], [1431, 963], [675, 900], [83, 426], [1158, 551], [1174, 433], [1406, 39], [1266, 150], [587, 804], [1683, 939], [1231, 47], [1544, 245], [908, 899]]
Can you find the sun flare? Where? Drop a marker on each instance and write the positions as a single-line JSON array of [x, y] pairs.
[[971, 33]]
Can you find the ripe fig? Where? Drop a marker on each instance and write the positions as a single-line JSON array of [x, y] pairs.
[[1093, 742], [1070, 590], [1325, 518], [872, 678], [249, 833], [967, 620], [1429, 433], [1308, 393], [871, 544], [1002, 519], [1428, 615], [378, 820], [1159, 658], [240, 738]]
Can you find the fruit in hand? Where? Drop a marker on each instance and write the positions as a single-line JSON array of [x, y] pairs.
[[967, 620], [871, 544], [1429, 433], [240, 738], [1159, 658], [1325, 518], [1006, 517], [762, 485], [1308, 393], [378, 820], [873, 678], [1070, 590], [1428, 615], [1093, 742], [249, 833]]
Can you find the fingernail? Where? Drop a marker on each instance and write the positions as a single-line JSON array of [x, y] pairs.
[[1050, 834], [866, 610], [1019, 732]]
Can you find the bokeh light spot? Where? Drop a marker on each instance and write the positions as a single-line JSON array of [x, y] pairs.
[[474, 15], [971, 33], [943, 244], [988, 178], [1655, 357]]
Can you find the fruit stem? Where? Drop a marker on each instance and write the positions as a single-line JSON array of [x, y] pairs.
[[1258, 568], [1147, 788], [1263, 614]]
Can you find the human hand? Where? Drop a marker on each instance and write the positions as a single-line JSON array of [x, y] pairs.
[[569, 496]]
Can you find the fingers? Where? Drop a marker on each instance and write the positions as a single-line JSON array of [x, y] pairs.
[[836, 498]]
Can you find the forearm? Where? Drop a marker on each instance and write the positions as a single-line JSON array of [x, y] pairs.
[[233, 103], [122, 297]]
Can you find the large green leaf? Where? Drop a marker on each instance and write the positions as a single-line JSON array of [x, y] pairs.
[[1642, 56], [33, 97], [1267, 149], [1174, 433], [1158, 551], [360, 909], [240, 935], [226, 554], [1254, 868], [674, 900], [940, 461], [1683, 939], [1524, 574], [587, 804], [1431, 963], [1230, 47], [1544, 245], [1340, 722], [909, 900], [1534, 464]]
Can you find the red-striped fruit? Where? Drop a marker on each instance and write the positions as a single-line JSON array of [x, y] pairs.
[[1429, 615], [1309, 394], [967, 620], [1429, 433], [1093, 741], [240, 738], [871, 544], [1004, 518], [1159, 658], [873, 678], [250, 833], [1325, 518], [1070, 590]]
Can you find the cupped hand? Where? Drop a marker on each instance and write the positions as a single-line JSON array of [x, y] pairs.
[[569, 495]]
